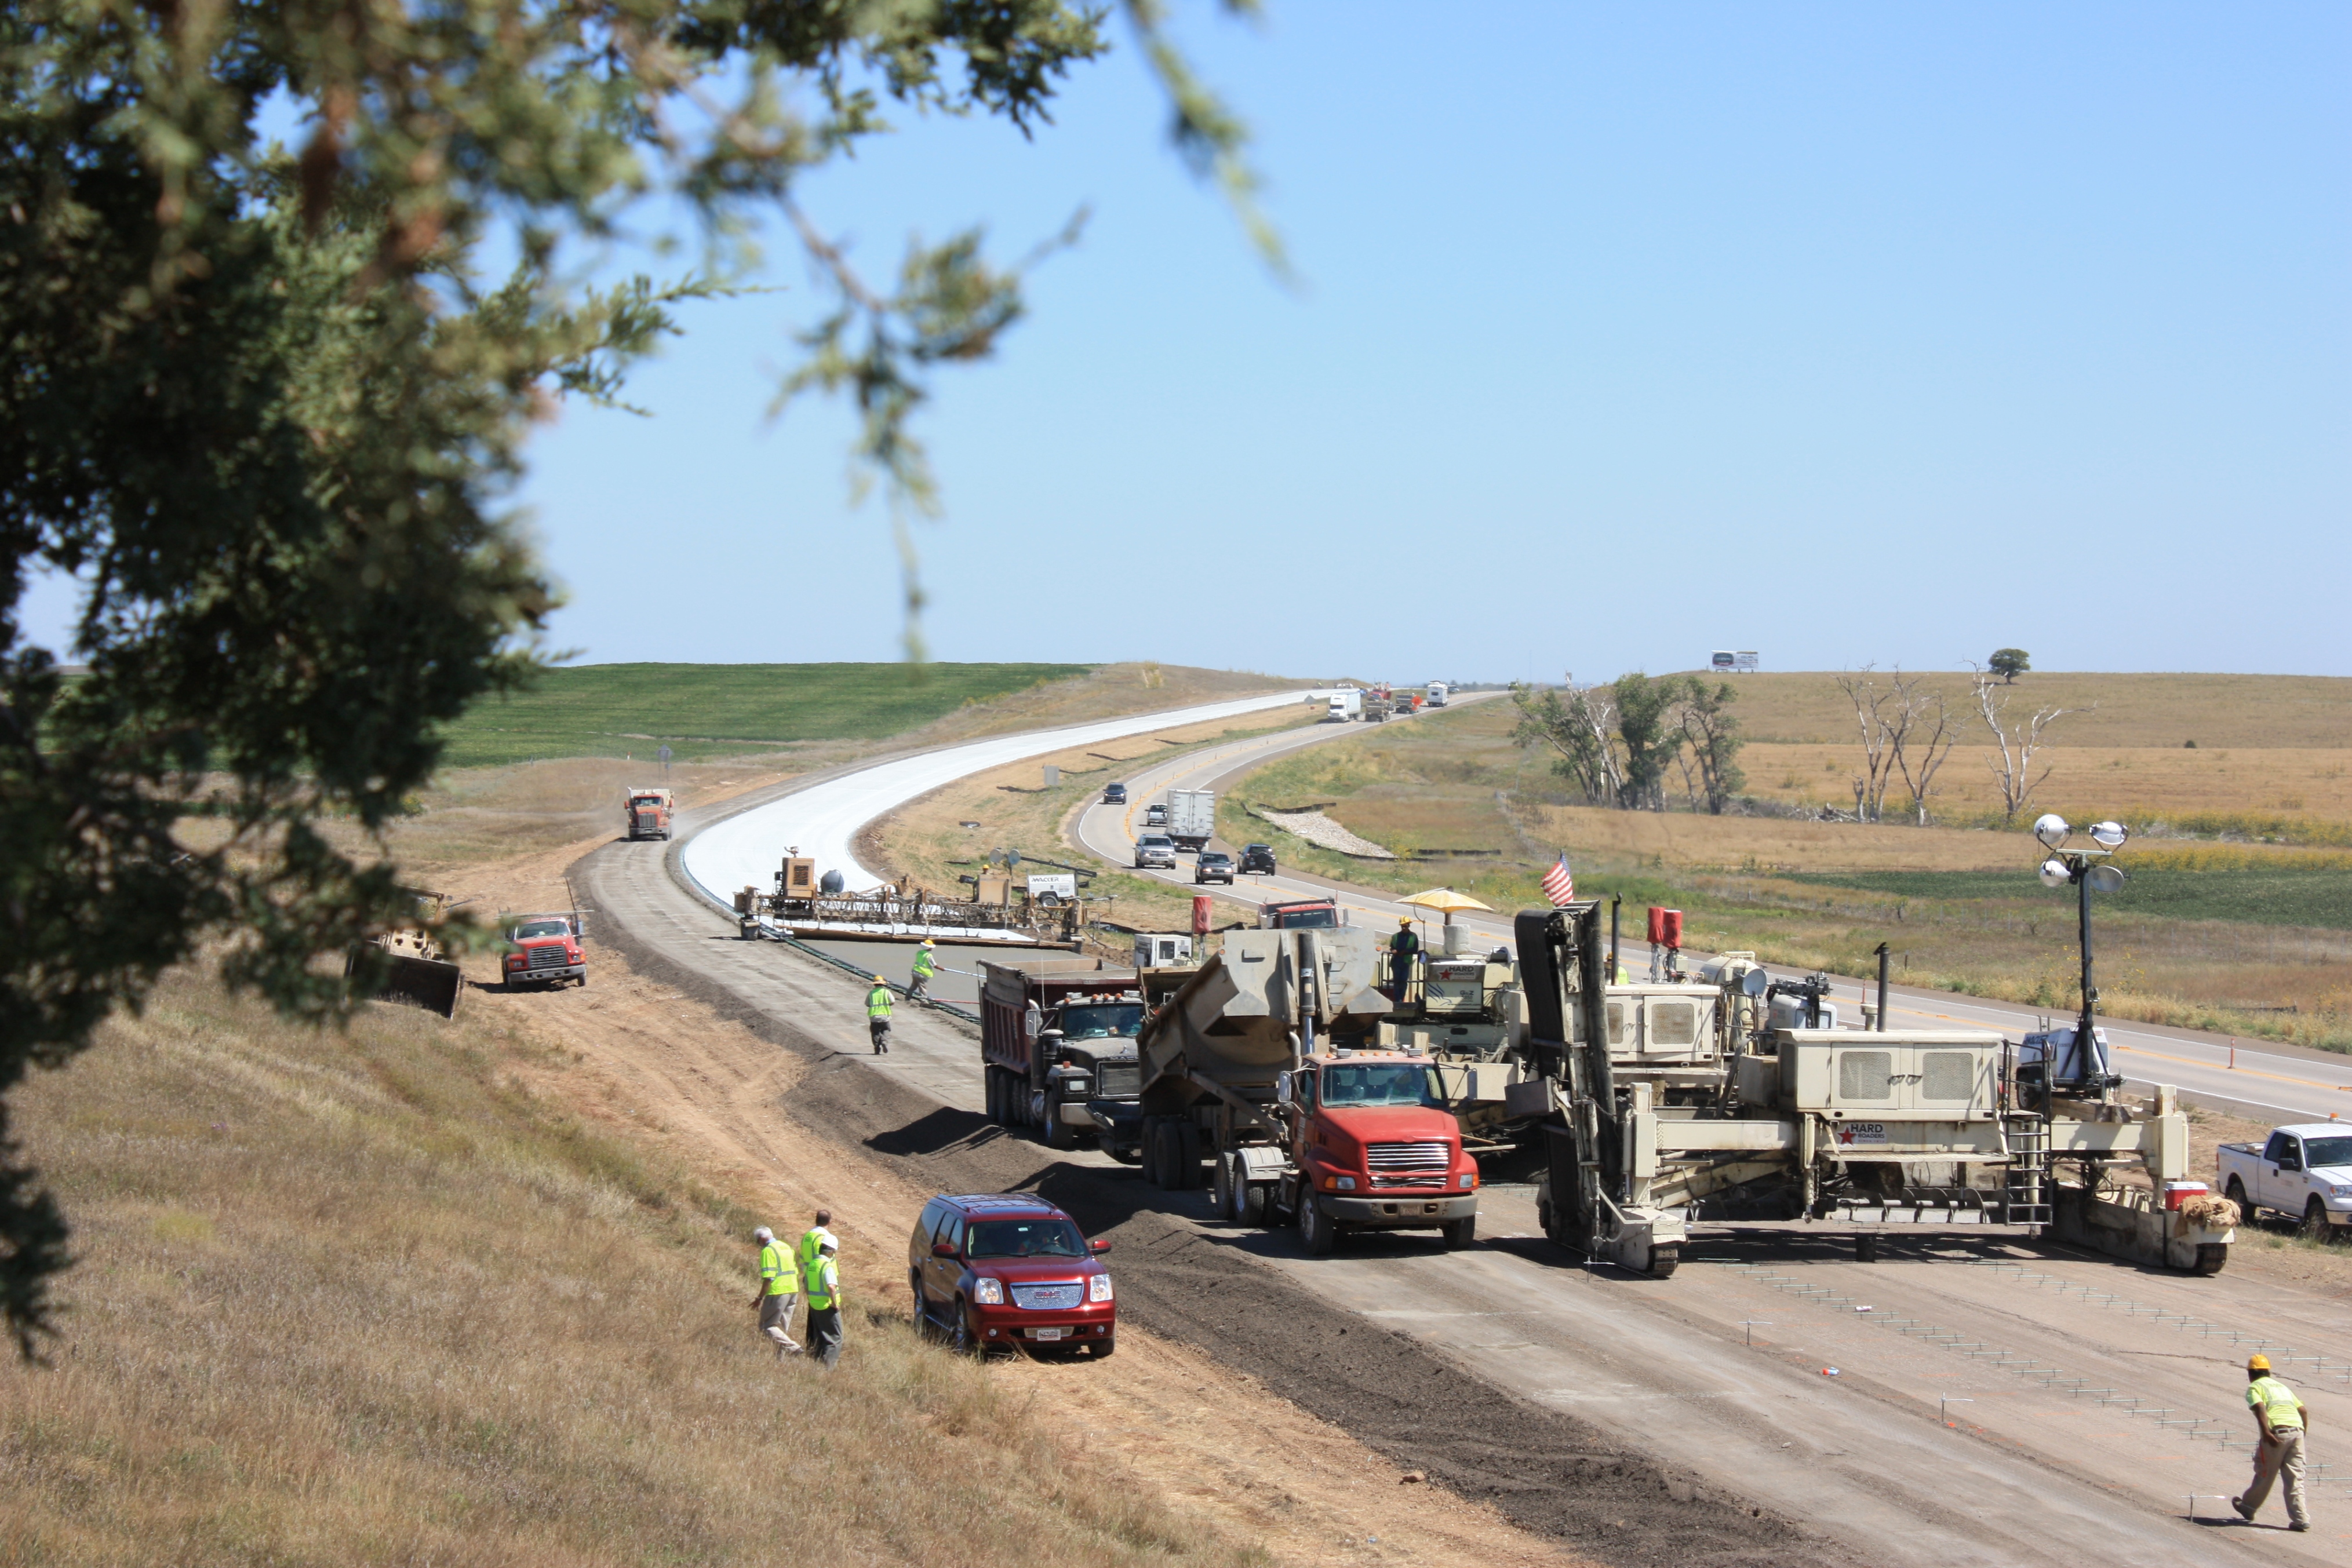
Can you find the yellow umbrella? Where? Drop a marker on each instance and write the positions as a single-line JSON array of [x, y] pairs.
[[1448, 899]]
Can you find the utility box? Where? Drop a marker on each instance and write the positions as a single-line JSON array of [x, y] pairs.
[[1160, 950], [796, 878]]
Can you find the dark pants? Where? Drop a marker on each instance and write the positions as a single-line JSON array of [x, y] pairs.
[[880, 1029], [1399, 973], [823, 1332]]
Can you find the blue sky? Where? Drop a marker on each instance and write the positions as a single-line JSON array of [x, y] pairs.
[[1840, 332]]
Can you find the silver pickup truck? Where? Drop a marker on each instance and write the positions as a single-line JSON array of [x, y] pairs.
[[2303, 1172]]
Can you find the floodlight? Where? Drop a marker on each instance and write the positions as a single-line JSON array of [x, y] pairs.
[[2055, 872], [2105, 878], [2050, 829], [2110, 835]]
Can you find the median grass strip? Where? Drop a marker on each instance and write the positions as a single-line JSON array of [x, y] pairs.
[[364, 1297]]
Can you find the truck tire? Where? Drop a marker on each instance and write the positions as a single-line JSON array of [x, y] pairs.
[[2236, 1192], [988, 1093], [2315, 1221], [1461, 1233], [1317, 1234], [1188, 1156], [1257, 1204], [1223, 1200], [1059, 1134], [1147, 1150]]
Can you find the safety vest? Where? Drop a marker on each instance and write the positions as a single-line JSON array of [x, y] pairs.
[[776, 1267], [877, 1003], [810, 1241], [1404, 941], [2276, 1401], [824, 1285], [925, 966]]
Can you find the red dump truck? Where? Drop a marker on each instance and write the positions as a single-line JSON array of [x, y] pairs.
[[1265, 1061], [651, 813]]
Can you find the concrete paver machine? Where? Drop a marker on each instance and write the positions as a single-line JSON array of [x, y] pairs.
[[1749, 1118]]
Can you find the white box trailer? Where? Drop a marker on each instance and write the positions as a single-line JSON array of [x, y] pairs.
[[1192, 817], [1345, 706]]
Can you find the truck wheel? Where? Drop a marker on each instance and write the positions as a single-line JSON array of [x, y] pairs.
[[1147, 1150], [1059, 1134], [2315, 1221], [1461, 1233], [2236, 1192], [1188, 1156], [1257, 1205], [1317, 1234], [1221, 1190]]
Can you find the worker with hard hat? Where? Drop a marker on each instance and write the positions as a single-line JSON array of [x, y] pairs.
[[2285, 1424], [1403, 949], [927, 964], [823, 1282], [878, 1016], [779, 1284]]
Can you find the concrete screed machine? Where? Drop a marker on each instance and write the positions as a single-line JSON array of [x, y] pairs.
[[1717, 1100]]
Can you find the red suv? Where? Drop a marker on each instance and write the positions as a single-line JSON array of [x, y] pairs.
[[1005, 1269]]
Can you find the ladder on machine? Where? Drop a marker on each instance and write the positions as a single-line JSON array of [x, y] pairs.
[[2026, 1138]]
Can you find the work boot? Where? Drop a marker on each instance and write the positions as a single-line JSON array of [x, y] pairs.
[[2238, 1506], [2300, 1524]]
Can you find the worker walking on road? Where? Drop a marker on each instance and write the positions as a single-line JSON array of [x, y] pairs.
[[878, 1016], [824, 1281], [814, 1239], [1402, 947], [779, 1284], [927, 964], [2284, 1423]]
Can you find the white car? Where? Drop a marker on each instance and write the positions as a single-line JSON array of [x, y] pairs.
[[2303, 1172], [1155, 850]]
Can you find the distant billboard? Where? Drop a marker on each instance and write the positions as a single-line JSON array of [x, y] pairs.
[[1724, 659]]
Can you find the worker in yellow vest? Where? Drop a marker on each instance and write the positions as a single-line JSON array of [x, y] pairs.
[[815, 1237], [927, 964], [779, 1284], [2285, 1424], [824, 1285], [878, 1016]]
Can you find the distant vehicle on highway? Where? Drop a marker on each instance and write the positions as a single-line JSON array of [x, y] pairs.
[[2303, 1172], [1258, 860], [1214, 865], [996, 1271], [1155, 850], [1438, 692], [1192, 817], [1156, 814], [1311, 913], [1344, 705], [1113, 795]]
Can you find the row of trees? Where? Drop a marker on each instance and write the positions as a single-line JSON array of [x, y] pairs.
[[1627, 743]]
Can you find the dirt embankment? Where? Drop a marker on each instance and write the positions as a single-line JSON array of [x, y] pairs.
[[1277, 1370]]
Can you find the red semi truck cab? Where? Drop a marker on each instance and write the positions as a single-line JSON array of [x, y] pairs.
[[1374, 1148], [650, 812], [544, 950]]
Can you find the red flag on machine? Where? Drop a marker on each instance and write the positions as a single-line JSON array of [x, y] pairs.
[[1560, 885]]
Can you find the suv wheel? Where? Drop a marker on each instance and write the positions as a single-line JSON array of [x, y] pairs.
[[960, 1335], [922, 1307], [1105, 1345]]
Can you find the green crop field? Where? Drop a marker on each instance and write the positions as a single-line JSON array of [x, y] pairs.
[[710, 710]]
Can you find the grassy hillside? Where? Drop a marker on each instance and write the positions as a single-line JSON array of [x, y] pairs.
[[366, 1298], [705, 710]]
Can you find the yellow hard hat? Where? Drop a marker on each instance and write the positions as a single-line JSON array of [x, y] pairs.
[[1404, 920], [2258, 1362], [880, 981]]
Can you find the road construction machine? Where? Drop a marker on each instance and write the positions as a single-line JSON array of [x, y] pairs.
[[409, 963], [1724, 1101], [1265, 1061]]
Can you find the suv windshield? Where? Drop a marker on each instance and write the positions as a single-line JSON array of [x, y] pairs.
[[1214, 857], [1100, 1020], [530, 929], [2318, 1152], [1157, 840], [1023, 1238], [1380, 1083]]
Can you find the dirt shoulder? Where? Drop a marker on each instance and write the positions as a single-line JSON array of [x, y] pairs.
[[1298, 1408], [806, 1127]]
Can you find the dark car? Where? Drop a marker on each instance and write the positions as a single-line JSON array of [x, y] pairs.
[[1214, 865], [1005, 1269], [1113, 795], [1258, 860]]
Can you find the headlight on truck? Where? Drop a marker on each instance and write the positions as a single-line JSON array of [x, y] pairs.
[[2340, 1192], [1467, 1179], [1098, 1288], [1344, 1184], [988, 1292]]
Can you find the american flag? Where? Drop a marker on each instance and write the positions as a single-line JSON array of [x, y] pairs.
[[1560, 885]]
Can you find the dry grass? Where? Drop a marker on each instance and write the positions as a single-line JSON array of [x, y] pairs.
[[2131, 712], [1680, 840], [366, 1298]]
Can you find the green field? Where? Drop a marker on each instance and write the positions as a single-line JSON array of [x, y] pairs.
[[711, 710], [2318, 896]]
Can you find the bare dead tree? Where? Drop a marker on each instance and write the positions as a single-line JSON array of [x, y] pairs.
[[1881, 721], [2014, 744], [1925, 733]]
